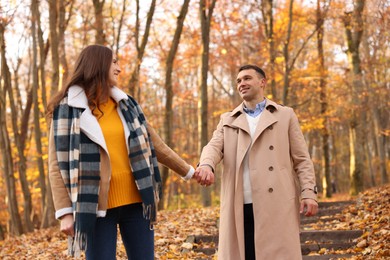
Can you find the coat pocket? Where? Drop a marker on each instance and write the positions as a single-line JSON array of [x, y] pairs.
[[287, 183]]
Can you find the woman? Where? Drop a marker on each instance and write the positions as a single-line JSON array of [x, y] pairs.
[[103, 162]]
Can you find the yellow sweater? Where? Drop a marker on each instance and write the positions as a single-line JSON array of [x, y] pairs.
[[123, 190]]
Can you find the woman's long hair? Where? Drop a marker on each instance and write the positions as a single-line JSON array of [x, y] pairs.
[[91, 72]]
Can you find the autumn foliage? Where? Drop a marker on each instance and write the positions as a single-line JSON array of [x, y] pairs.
[[369, 212], [329, 60]]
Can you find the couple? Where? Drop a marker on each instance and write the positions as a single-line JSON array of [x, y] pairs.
[[103, 167]]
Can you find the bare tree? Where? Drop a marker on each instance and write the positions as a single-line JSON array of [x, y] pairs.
[[15, 222], [289, 61], [58, 21], [117, 33], [100, 37], [321, 12], [268, 19], [168, 89], [371, 43], [353, 22], [36, 33], [65, 13], [53, 18], [206, 9], [134, 79]]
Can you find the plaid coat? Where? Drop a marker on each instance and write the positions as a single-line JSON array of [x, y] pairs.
[[90, 126]]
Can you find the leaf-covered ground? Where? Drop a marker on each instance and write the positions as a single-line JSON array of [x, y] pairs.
[[371, 214]]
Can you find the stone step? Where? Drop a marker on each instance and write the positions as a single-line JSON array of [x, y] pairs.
[[308, 235], [330, 235], [305, 248], [329, 204], [315, 219], [327, 211], [308, 248], [327, 257], [311, 241]]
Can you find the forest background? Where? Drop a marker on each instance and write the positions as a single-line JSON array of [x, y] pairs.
[[328, 59]]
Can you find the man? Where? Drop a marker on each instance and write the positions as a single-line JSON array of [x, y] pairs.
[[268, 177]]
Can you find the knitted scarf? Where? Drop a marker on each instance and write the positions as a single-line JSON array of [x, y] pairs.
[[79, 163]]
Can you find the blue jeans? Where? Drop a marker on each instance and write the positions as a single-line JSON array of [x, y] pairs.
[[137, 236]]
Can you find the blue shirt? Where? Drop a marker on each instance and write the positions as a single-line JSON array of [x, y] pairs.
[[258, 109]]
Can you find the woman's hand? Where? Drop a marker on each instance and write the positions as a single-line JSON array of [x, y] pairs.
[[67, 225]]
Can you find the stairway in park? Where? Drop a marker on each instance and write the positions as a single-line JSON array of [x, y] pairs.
[[312, 240]]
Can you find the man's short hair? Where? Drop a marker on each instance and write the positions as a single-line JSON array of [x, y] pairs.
[[253, 67]]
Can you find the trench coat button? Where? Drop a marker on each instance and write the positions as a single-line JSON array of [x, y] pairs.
[[271, 147], [271, 168], [270, 127], [270, 190]]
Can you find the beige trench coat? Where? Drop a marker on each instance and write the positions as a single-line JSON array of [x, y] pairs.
[[280, 168]]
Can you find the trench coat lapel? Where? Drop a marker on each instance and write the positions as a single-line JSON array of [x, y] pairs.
[[240, 122], [243, 135], [267, 118]]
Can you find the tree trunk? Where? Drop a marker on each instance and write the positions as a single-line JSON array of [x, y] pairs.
[[168, 120], [117, 32], [15, 221], [290, 61], [205, 21], [37, 130], [354, 29], [43, 51], [133, 84], [324, 102], [378, 124], [53, 20], [19, 137], [381, 143], [267, 11], [286, 54], [15, 227], [100, 37], [62, 25]]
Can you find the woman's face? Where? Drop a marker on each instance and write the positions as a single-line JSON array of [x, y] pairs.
[[114, 71]]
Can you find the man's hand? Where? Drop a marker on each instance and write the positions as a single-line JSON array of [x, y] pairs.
[[309, 206], [67, 225], [204, 175]]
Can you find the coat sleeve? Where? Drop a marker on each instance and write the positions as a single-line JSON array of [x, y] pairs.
[[168, 157], [61, 199], [302, 162], [212, 153]]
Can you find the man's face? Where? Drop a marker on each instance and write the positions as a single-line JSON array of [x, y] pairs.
[[250, 85]]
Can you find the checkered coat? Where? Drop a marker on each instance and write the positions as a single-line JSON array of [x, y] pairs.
[[91, 128]]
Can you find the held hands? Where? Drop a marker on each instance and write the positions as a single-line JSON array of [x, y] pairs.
[[67, 223], [204, 175], [309, 207]]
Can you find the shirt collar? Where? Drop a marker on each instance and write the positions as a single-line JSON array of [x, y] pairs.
[[258, 109]]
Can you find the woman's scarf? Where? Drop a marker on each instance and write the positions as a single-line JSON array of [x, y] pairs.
[[79, 163]]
